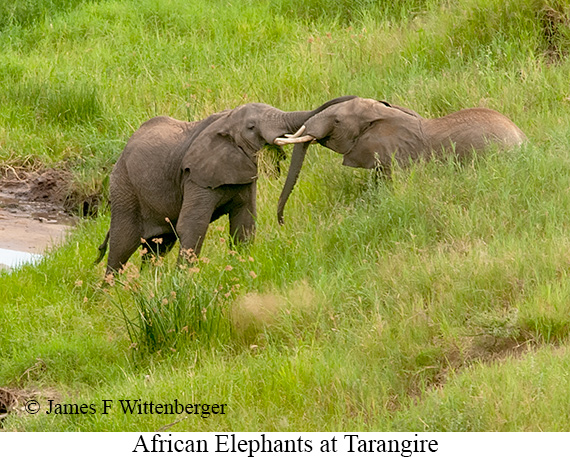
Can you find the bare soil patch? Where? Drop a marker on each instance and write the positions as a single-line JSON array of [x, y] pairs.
[[34, 209], [8, 402], [24, 402]]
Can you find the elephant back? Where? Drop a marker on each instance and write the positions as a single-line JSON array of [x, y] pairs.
[[472, 129]]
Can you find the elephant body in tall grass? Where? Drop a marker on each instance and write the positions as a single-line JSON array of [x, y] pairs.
[[373, 134]]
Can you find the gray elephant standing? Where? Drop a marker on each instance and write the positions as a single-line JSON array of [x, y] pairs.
[[371, 133], [173, 178]]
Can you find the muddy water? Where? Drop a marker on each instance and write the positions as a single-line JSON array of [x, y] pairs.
[[28, 229]]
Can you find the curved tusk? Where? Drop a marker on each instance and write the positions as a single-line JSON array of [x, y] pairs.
[[293, 140]]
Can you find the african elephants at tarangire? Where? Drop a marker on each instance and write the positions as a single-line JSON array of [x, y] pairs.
[[173, 178]]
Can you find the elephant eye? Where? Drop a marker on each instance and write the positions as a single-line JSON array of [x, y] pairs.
[[250, 126]]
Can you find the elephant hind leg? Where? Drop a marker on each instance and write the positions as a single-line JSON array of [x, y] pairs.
[[118, 258], [124, 238], [121, 251]]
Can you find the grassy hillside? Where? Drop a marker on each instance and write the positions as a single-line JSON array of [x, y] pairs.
[[437, 300]]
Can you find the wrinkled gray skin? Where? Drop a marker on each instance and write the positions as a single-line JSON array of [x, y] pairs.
[[371, 133], [174, 178]]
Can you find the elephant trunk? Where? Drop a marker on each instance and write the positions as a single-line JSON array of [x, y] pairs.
[[297, 159], [295, 120]]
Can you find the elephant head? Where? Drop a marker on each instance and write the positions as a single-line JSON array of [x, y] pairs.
[[371, 134], [225, 150]]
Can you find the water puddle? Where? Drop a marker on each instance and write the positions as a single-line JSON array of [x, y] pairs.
[[12, 259]]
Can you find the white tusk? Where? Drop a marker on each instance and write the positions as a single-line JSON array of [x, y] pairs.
[[293, 140]]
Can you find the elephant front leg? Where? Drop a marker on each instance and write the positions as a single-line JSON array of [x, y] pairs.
[[198, 205]]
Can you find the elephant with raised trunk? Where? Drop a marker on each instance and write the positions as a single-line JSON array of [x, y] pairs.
[[371, 134], [173, 178]]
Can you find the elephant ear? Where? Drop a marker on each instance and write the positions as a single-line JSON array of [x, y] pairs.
[[409, 111], [395, 134], [213, 159]]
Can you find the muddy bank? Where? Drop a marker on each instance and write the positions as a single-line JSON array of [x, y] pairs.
[[22, 232], [33, 213]]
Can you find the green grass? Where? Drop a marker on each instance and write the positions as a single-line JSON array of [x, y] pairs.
[[436, 300]]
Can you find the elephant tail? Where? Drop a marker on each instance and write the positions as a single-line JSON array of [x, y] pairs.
[[103, 248]]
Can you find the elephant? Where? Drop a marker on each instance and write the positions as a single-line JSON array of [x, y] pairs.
[[371, 134], [174, 177]]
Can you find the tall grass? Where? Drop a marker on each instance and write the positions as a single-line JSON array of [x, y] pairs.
[[435, 299], [170, 307]]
